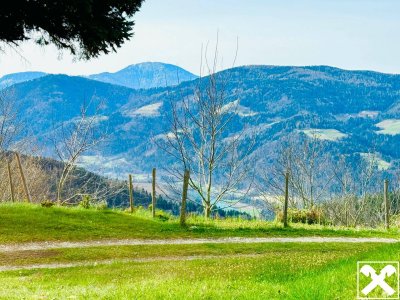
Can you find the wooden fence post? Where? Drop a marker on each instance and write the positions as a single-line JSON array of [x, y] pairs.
[[186, 177], [285, 207], [11, 182], [130, 193], [28, 196], [387, 204], [153, 196]]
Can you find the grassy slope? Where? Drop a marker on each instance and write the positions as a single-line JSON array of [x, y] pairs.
[[281, 271], [27, 223], [277, 271]]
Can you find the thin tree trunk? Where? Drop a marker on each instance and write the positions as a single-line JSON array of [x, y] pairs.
[[387, 204], [130, 193], [153, 196], [11, 182], [59, 189], [285, 207], [186, 177], [28, 196], [207, 210], [61, 183]]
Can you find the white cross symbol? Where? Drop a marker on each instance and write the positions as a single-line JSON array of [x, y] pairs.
[[378, 280]]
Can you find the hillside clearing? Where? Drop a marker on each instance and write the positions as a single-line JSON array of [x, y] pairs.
[[375, 160], [151, 110], [325, 134], [390, 127]]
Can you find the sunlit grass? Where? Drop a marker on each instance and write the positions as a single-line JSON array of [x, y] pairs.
[[325, 134], [105, 253], [28, 223], [296, 271], [389, 126], [226, 271]]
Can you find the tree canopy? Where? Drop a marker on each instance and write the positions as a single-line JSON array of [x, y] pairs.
[[87, 28]]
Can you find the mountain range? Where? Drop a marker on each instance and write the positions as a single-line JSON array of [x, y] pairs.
[[138, 76], [354, 111]]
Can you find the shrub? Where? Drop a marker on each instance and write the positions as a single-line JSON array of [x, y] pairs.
[[305, 216], [395, 221], [100, 205], [162, 215], [85, 202], [47, 203], [88, 202]]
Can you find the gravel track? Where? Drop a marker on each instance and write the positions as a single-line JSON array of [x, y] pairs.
[[233, 240]]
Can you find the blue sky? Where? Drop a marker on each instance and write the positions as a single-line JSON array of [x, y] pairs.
[[351, 34]]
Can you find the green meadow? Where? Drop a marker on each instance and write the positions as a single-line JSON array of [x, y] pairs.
[[292, 270], [274, 271], [33, 223]]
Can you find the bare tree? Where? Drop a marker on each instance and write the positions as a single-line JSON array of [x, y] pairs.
[[39, 188], [74, 138], [199, 140], [356, 191], [10, 125], [306, 160], [309, 169]]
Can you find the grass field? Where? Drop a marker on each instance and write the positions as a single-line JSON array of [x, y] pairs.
[[189, 271], [374, 159], [325, 134], [390, 126], [31, 223], [276, 271]]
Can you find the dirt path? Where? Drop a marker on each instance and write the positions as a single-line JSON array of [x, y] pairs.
[[133, 242], [122, 260]]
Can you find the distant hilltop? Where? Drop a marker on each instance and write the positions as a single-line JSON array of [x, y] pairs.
[[138, 76]]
